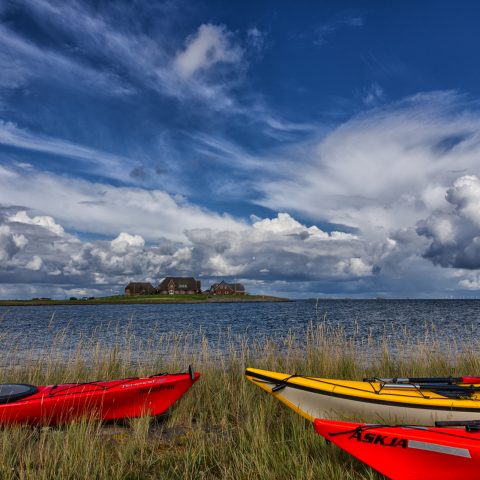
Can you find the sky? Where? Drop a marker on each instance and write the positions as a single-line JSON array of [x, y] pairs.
[[304, 149]]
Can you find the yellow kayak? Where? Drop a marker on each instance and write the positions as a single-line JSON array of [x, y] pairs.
[[314, 397]]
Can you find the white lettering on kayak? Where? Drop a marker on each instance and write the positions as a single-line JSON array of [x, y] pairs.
[[435, 447], [129, 385]]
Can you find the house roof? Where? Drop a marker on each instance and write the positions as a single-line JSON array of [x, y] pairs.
[[139, 285], [181, 283], [238, 287]]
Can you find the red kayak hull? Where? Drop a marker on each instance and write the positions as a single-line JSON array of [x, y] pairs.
[[105, 400], [408, 453]]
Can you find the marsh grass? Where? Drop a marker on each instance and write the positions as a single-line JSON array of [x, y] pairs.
[[224, 427]]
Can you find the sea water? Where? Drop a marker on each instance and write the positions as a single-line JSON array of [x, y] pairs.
[[62, 327]]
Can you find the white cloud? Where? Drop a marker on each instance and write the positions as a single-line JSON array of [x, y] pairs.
[[125, 242], [283, 248], [355, 267], [211, 45], [106, 209], [454, 231], [380, 171], [465, 196], [207, 65], [469, 284], [29, 61], [271, 253], [43, 221], [113, 34], [269, 250], [10, 243], [35, 264]]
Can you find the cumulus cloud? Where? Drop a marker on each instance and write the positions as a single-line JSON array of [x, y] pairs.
[[464, 195], [10, 243], [125, 242], [43, 221], [35, 263], [454, 231], [268, 250], [470, 283], [34, 243], [282, 248]]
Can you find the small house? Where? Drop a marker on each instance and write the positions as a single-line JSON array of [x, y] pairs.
[[139, 288], [179, 286], [224, 288]]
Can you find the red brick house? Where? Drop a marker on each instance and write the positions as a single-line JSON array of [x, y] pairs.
[[224, 288], [179, 286], [139, 288]]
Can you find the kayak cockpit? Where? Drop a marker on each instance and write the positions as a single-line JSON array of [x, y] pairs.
[[11, 392]]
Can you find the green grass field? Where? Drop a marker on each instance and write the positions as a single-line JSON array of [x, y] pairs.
[[224, 427], [144, 299]]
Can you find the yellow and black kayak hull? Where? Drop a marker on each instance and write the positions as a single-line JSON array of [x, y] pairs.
[[314, 397]]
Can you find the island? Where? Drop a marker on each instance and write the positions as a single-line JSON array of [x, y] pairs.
[[145, 299]]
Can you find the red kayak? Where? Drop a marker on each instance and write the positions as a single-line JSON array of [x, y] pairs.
[[410, 452], [109, 400]]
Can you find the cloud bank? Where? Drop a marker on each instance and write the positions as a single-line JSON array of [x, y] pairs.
[[385, 178]]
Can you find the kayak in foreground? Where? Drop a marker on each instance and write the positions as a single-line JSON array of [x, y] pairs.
[[409, 452], [421, 403], [105, 400]]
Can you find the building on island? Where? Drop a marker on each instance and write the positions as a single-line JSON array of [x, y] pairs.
[[139, 288], [179, 286], [224, 288]]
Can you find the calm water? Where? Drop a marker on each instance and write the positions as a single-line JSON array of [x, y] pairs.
[[37, 327]]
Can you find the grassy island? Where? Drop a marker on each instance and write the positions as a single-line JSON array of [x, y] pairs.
[[144, 299], [224, 427]]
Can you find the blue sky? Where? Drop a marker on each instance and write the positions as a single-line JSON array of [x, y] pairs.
[[302, 148]]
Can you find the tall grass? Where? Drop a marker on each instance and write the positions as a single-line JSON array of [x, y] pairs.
[[224, 427]]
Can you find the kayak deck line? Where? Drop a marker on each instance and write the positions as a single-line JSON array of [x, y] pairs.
[[57, 390], [439, 389], [436, 431]]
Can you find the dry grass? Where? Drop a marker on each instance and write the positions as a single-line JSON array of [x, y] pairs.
[[224, 427]]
